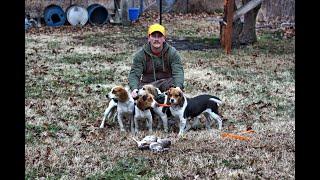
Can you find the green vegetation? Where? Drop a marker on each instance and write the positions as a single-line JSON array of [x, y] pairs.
[[130, 168]]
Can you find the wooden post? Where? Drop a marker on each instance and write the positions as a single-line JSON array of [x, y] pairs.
[[228, 29], [160, 12], [141, 7]]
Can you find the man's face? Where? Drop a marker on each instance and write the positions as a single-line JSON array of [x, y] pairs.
[[156, 39]]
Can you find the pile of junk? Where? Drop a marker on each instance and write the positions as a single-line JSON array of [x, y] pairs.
[[97, 14]]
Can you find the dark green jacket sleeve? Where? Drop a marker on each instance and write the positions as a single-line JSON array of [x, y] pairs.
[[177, 69], [136, 71]]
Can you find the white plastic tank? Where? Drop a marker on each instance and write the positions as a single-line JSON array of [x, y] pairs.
[[77, 15]]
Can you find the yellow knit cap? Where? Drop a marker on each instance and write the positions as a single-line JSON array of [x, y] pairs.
[[156, 27]]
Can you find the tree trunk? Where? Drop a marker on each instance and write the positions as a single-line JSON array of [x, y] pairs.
[[243, 32], [237, 28], [248, 33]]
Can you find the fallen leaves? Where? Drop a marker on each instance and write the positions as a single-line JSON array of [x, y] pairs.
[[39, 70], [77, 108]]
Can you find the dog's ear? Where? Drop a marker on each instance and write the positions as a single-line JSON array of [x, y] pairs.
[[181, 100], [168, 91], [123, 94], [154, 91]]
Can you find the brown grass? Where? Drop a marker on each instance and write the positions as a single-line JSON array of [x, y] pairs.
[[69, 71]]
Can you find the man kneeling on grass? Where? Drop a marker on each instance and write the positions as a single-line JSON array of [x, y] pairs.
[[156, 63]]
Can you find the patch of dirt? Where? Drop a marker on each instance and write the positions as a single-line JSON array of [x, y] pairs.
[[186, 43]]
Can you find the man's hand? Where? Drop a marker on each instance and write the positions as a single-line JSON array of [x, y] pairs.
[[134, 93]]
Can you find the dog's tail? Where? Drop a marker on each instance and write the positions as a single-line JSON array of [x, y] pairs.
[[219, 102]]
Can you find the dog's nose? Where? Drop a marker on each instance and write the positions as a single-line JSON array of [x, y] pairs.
[[171, 100], [107, 96]]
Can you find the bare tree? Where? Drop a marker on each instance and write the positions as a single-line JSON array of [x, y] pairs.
[[248, 33], [244, 32]]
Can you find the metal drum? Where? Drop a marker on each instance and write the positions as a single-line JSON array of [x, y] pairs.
[[77, 15], [54, 15], [98, 14]]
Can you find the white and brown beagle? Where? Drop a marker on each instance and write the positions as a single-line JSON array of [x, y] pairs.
[[149, 88], [142, 111], [158, 108], [182, 107], [121, 98]]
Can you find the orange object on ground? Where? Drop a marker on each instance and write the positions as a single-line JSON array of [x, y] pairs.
[[248, 131], [235, 136]]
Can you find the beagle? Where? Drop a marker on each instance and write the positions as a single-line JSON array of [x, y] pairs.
[[182, 107], [142, 110], [149, 88], [121, 98], [162, 112]]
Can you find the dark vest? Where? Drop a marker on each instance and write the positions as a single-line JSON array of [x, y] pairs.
[[162, 72]]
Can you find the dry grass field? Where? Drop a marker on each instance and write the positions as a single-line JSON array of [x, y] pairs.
[[69, 70]]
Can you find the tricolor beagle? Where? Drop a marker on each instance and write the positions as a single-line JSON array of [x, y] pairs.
[[183, 107]]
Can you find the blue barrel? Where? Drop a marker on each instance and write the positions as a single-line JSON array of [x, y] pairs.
[[133, 14], [54, 15], [98, 14]]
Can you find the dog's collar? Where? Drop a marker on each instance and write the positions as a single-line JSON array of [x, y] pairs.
[[160, 98]]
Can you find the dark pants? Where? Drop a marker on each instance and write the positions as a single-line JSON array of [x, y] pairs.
[[162, 84]]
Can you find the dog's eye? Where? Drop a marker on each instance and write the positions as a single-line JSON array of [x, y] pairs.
[[143, 89]]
